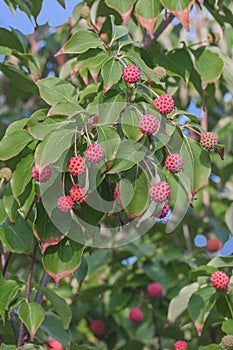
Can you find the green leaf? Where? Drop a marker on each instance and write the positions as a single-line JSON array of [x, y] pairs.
[[62, 259], [200, 305], [109, 140], [111, 72], [122, 6], [55, 90], [80, 42], [85, 347], [54, 327], [8, 347], [11, 40], [8, 291], [59, 305], [14, 143], [62, 3], [229, 218], [147, 9], [39, 126], [82, 270], [93, 60], [210, 347], [178, 5], [22, 175], [129, 123], [65, 108], [9, 203], [208, 64], [118, 299], [18, 237], [227, 327], [32, 315], [3, 215], [17, 77], [221, 261], [5, 50], [180, 303], [134, 191], [118, 32], [58, 141]]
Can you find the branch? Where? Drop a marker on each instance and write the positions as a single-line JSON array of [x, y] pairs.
[[44, 281], [147, 42], [23, 333], [157, 334]]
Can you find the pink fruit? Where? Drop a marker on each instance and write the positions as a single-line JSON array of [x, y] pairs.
[[174, 163], [76, 165], [213, 245], [164, 104], [180, 344], [53, 344], [98, 327], [95, 153], [160, 191], [42, 176], [131, 74], [219, 280], [163, 213], [78, 193], [135, 315], [155, 290], [148, 124], [209, 140], [65, 203]]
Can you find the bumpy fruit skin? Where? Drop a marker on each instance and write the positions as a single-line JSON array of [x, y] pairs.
[[209, 140], [131, 74], [213, 245], [95, 153], [155, 290], [164, 104], [227, 342], [180, 344], [78, 193], [219, 280], [6, 173], [174, 163], [116, 194], [98, 327], [163, 213], [53, 344], [65, 203], [148, 124], [160, 72], [42, 176], [76, 166], [160, 191], [135, 315]]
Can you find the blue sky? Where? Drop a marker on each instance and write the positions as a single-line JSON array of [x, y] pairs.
[[51, 12]]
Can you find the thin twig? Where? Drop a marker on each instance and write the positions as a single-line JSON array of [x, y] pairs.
[[187, 237], [157, 334], [44, 281]]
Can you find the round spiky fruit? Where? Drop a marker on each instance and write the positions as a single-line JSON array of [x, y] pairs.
[[219, 280], [42, 176], [160, 191], [148, 124], [65, 203], [174, 163], [135, 315], [131, 74], [95, 153], [163, 213], [6, 173], [160, 72], [53, 344], [155, 290], [213, 245], [98, 327], [78, 193], [164, 103], [76, 166], [227, 342], [85, 11], [180, 344], [116, 194], [209, 140]]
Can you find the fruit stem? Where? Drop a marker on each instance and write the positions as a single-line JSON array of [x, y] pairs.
[[88, 137], [148, 168], [193, 129], [168, 150], [229, 305], [75, 143], [2, 182], [152, 91], [156, 325]]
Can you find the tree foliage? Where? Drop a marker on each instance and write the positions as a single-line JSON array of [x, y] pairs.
[[63, 91]]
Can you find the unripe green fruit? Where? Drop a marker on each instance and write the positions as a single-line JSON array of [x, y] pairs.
[[227, 342], [85, 11], [6, 173]]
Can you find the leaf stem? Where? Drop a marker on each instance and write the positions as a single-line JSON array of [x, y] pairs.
[[229, 305]]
